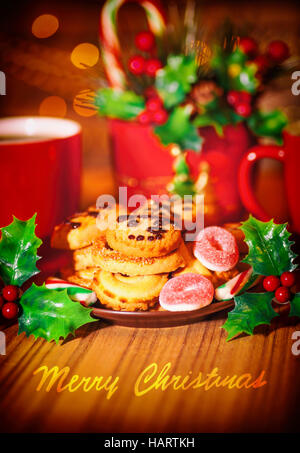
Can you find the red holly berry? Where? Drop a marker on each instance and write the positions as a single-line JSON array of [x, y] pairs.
[[271, 283], [144, 118], [154, 104], [150, 92], [249, 46], [152, 66], [136, 65], [236, 97], [10, 293], [243, 109], [233, 97], [145, 41], [10, 310], [262, 62], [278, 51], [245, 97], [282, 294], [287, 279], [1, 301], [160, 116]]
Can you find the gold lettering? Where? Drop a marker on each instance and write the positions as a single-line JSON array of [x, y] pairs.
[[145, 378], [56, 374]]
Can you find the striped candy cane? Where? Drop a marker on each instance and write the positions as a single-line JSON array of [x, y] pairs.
[[111, 50], [75, 292]]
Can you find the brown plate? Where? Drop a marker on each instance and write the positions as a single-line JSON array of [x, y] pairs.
[[154, 318], [159, 318]]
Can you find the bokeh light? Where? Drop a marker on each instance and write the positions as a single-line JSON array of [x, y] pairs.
[[44, 26], [53, 106], [83, 103], [85, 55]]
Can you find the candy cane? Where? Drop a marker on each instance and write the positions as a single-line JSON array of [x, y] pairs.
[[111, 50], [76, 292]]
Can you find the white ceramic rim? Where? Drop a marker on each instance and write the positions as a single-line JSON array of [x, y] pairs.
[[37, 126]]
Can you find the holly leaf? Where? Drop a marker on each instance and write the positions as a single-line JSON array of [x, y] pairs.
[[51, 314], [18, 251], [175, 79], [182, 187], [251, 310], [295, 305], [214, 118], [179, 130], [268, 124], [269, 247], [115, 103], [234, 71]]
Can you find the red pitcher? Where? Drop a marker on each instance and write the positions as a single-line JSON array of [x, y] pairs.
[[145, 166]]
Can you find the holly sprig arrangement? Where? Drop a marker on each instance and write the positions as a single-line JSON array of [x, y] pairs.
[[271, 256], [220, 91], [42, 312]]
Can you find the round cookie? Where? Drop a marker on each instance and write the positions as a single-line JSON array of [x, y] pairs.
[[124, 293], [101, 255], [81, 229], [234, 228], [83, 277], [144, 233]]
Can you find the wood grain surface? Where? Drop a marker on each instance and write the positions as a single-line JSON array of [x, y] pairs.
[[102, 350]]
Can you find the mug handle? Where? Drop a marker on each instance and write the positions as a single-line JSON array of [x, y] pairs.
[[244, 177]]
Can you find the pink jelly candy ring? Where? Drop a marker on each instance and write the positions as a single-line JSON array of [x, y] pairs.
[[216, 249], [186, 292]]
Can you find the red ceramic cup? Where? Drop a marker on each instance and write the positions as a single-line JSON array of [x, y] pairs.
[[289, 155], [40, 161]]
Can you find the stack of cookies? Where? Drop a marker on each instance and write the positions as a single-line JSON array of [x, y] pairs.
[[127, 262]]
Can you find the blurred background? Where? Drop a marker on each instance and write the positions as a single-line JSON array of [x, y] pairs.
[[49, 52]]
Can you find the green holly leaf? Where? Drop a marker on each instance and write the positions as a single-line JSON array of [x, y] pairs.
[[215, 118], [251, 310], [245, 80], [180, 166], [269, 247], [295, 305], [175, 79], [115, 103], [268, 124], [18, 251], [51, 314], [179, 130], [234, 71], [182, 187]]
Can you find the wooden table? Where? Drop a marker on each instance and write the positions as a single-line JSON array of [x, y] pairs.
[[103, 350], [100, 349]]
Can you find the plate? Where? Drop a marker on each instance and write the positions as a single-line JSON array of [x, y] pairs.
[[154, 318]]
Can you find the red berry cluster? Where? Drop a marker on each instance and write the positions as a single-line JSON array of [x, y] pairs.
[[276, 53], [280, 286], [8, 301], [155, 112], [241, 102], [139, 65]]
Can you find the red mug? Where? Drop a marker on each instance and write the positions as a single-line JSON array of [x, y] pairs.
[[289, 156], [40, 160]]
